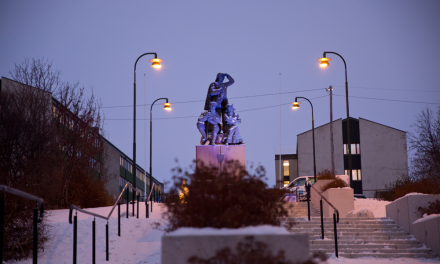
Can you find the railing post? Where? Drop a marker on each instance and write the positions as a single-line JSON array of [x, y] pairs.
[[93, 242], [106, 241], [137, 215], [308, 200], [336, 235], [2, 224], [75, 226], [35, 240], [322, 220], [127, 200], [146, 209], [133, 195], [119, 218]]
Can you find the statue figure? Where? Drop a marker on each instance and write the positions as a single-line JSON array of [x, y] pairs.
[[231, 132], [209, 121], [217, 91]]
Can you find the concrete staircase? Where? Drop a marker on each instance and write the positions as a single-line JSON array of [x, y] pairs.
[[300, 210], [377, 237]]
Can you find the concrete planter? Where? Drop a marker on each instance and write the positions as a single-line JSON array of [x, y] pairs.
[[341, 198], [427, 231], [404, 210], [179, 247]]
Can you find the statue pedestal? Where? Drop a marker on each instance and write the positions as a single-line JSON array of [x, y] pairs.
[[209, 154]]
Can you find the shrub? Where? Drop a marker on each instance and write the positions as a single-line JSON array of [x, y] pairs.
[[18, 236], [405, 185], [325, 175], [433, 208], [234, 199], [336, 183]]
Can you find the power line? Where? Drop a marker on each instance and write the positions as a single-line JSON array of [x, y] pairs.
[[237, 97], [241, 111], [390, 89], [381, 99]]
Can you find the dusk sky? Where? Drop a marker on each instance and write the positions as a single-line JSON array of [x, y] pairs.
[[392, 51]]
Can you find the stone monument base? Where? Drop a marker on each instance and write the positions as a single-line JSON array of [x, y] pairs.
[[210, 155]]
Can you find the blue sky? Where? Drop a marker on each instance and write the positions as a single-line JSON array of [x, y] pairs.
[[391, 50]]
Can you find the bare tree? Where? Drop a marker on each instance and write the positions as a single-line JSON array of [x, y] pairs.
[[426, 144]]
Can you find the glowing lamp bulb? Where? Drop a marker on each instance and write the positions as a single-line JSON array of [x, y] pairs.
[[295, 105], [324, 62], [156, 63], [167, 106]]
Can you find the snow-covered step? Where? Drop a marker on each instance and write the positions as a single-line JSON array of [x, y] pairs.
[[357, 237]]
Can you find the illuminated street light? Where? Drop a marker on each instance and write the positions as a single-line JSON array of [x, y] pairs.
[[156, 64], [324, 63], [166, 106], [295, 105]]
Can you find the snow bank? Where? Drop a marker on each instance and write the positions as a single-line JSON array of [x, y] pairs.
[[425, 218], [376, 206], [250, 230]]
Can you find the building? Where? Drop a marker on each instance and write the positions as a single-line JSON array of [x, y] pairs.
[[288, 164], [117, 165], [379, 153]]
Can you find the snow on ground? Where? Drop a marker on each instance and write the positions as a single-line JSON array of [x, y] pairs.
[[376, 206], [140, 243]]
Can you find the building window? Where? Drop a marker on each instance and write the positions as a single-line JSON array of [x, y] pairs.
[[286, 173], [356, 174], [355, 149]]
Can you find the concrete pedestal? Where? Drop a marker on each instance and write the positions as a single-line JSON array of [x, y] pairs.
[[209, 154]]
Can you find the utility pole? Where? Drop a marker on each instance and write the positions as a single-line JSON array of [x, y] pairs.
[[332, 149]]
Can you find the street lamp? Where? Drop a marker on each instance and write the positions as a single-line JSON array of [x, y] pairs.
[[166, 106], [324, 62], [295, 105], [155, 64]]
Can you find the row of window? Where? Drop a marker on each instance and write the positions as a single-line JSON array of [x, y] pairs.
[[356, 174], [355, 149], [128, 166]]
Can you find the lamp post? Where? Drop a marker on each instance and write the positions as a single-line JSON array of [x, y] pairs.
[[166, 106], [155, 64], [295, 105], [324, 63]]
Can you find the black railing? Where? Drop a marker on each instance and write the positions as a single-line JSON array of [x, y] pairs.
[[37, 219], [117, 203], [335, 215]]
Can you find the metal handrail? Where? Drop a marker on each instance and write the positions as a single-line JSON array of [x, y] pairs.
[[336, 210], [74, 207], [27, 196]]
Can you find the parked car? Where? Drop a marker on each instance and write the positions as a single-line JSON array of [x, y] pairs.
[[298, 185]]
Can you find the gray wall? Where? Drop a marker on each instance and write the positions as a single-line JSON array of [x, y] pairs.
[[322, 149], [428, 233], [383, 155]]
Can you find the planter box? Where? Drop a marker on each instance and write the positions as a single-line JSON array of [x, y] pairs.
[[341, 198], [427, 231], [179, 246], [404, 210]]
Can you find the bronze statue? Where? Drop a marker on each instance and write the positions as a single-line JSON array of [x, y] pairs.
[[217, 107]]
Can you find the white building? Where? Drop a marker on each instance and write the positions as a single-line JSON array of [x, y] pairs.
[[379, 153]]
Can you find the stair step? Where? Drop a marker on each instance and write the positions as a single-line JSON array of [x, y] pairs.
[[366, 242], [364, 238], [364, 250], [365, 246]]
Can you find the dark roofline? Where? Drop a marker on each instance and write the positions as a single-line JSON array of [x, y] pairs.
[[323, 125], [26, 85], [382, 125], [352, 118], [286, 156]]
